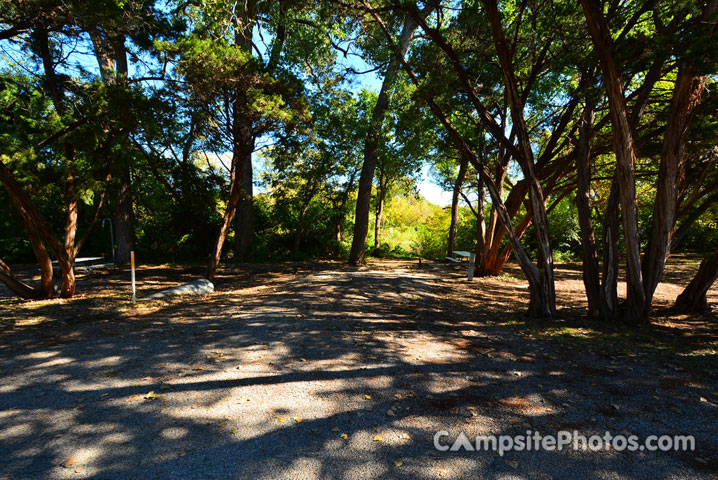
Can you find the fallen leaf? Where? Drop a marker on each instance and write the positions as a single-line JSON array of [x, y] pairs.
[[298, 419], [367, 397], [391, 413], [378, 438], [281, 419], [151, 395], [344, 436], [398, 463], [69, 462]]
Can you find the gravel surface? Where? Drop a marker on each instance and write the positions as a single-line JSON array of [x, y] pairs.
[[336, 373]]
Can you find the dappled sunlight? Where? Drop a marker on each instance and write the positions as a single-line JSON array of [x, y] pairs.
[[338, 372]]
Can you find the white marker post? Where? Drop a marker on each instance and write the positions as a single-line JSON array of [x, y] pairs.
[[132, 263], [472, 259]]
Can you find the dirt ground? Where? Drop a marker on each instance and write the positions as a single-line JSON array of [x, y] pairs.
[[319, 370]]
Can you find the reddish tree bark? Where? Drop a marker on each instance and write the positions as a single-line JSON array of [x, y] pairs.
[[625, 151], [456, 194], [693, 298]]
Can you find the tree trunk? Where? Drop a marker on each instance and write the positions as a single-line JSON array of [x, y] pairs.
[[541, 300], [242, 148], [242, 143], [611, 248], [112, 60], [693, 298], [492, 239], [18, 287], [124, 211], [371, 145], [591, 280], [124, 217], [244, 221], [480, 229], [303, 216], [691, 219], [454, 226], [625, 151], [686, 95], [235, 190], [379, 214]]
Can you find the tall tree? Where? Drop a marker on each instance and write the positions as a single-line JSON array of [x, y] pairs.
[[372, 142]]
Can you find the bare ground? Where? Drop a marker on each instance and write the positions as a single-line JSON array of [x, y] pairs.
[[324, 371]]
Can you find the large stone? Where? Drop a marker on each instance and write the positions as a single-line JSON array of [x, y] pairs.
[[194, 288]]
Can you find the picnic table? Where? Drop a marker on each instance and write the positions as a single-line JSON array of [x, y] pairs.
[[86, 263], [463, 254]]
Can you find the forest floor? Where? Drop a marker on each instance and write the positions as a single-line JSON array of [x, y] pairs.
[[319, 370]]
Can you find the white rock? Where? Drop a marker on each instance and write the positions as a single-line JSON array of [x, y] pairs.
[[197, 287]]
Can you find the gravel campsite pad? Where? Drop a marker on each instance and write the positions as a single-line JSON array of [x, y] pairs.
[[325, 371]]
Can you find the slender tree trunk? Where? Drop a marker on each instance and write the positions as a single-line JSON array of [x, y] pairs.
[[235, 191], [18, 287], [65, 254], [303, 216], [691, 219], [242, 148], [693, 298], [124, 203], [39, 232], [379, 214], [242, 143], [111, 58], [591, 279], [545, 295], [244, 222], [611, 248], [493, 234], [625, 151], [371, 145], [686, 95], [67, 268], [124, 217], [47, 288], [454, 226], [540, 303], [480, 229]]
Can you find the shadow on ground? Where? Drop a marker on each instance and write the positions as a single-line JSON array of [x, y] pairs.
[[324, 371]]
